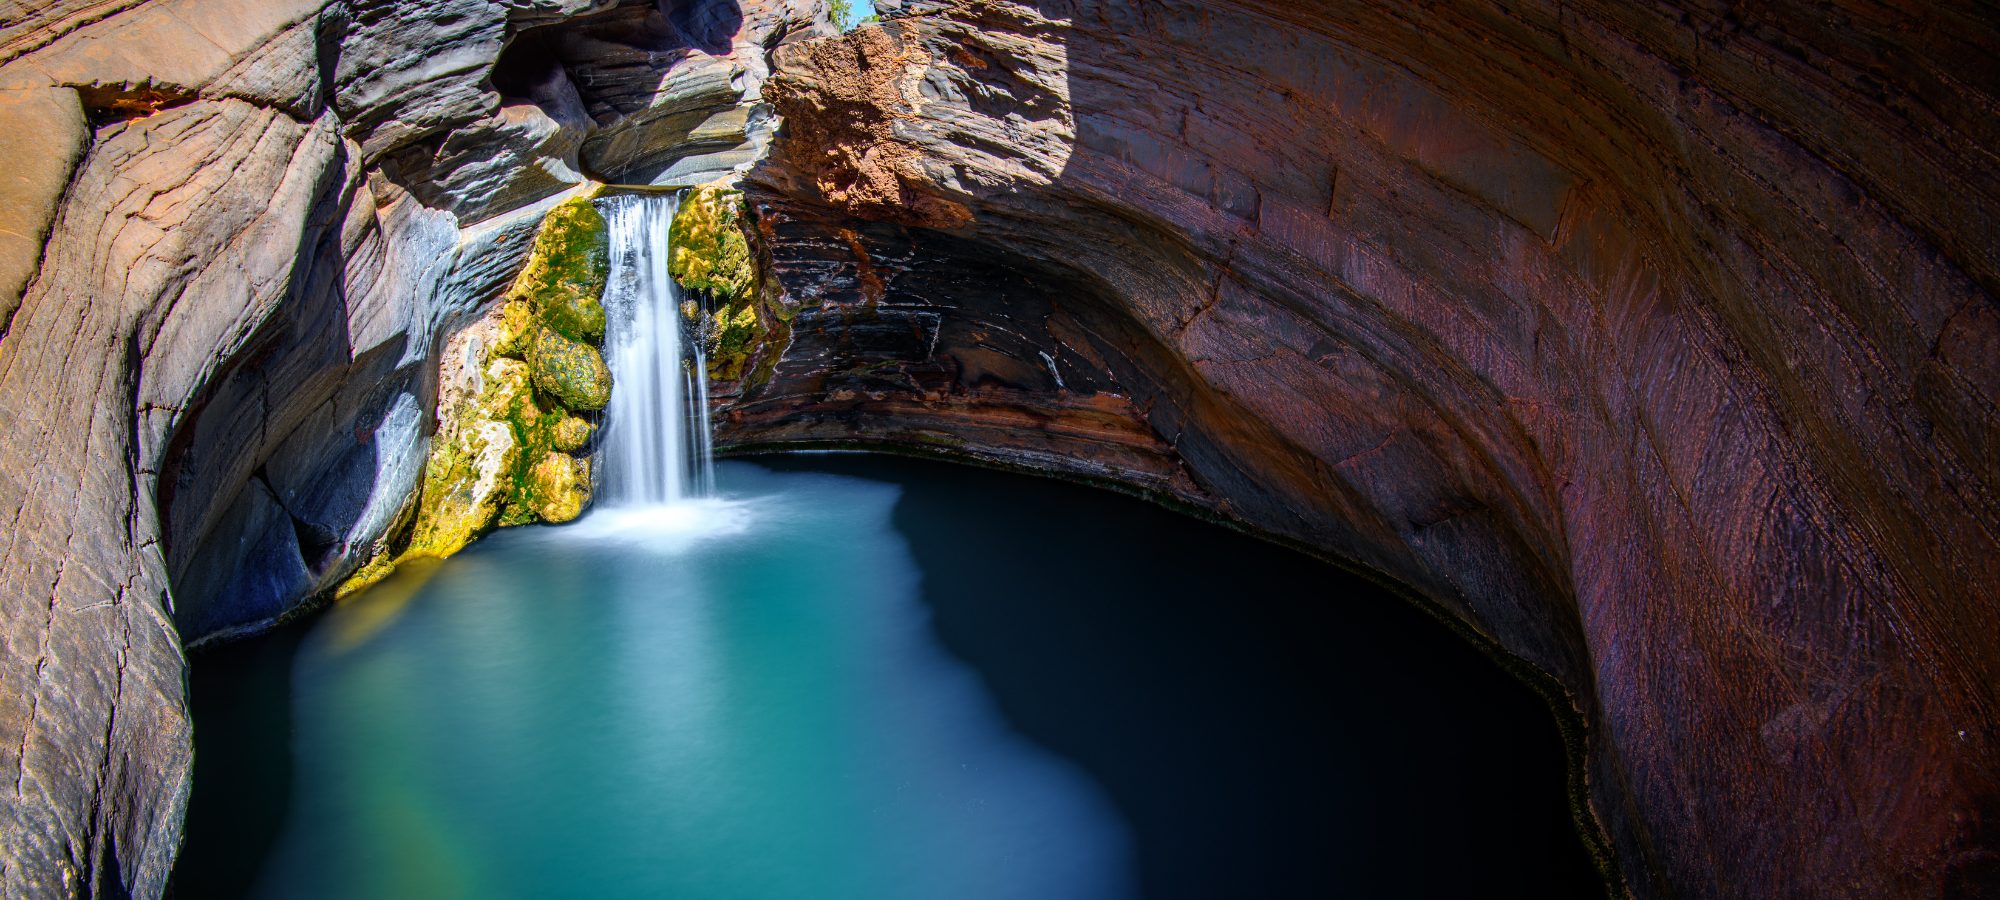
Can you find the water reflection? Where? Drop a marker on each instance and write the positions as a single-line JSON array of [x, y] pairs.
[[865, 678], [736, 699]]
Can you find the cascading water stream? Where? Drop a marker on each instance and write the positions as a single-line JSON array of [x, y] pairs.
[[656, 443]]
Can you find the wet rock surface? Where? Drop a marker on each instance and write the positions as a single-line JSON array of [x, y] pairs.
[[1657, 345], [1653, 344], [241, 235], [733, 319], [511, 386]]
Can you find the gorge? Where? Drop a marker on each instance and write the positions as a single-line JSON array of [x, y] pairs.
[[1653, 348]]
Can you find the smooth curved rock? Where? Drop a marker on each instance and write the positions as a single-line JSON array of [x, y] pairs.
[[263, 220], [1656, 344], [204, 201], [42, 133]]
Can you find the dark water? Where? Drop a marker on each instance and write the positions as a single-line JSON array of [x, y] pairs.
[[873, 678]]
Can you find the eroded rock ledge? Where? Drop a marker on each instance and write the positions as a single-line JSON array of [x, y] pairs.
[[1658, 344], [241, 237]]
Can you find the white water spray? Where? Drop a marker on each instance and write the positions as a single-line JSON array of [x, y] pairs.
[[656, 433]]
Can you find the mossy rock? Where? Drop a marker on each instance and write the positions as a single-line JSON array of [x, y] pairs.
[[470, 472], [711, 250], [574, 317], [499, 457], [736, 333], [571, 434], [566, 271], [570, 371], [558, 487], [517, 326], [572, 251], [371, 573]]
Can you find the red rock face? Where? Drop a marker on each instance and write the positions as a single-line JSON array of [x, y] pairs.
[[1658, 343]]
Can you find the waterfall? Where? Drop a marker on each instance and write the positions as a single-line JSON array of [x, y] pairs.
[[656, 442]]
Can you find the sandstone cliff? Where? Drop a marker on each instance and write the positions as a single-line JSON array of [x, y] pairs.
[[236, 236], [1657, 344]]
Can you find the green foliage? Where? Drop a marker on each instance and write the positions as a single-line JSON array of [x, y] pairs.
[[849, 15]]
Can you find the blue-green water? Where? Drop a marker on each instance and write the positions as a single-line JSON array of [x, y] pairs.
[[859, 678]]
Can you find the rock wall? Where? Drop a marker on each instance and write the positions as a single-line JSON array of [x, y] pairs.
[[239, 235], [1658, 344]]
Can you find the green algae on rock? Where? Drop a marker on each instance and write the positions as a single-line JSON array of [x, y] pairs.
[[558, 486], [572, 433], [571, 371], [512, 388], [516, 323], [565, 275], [473, 461], [735, 334], [712, 256], [711, 251]]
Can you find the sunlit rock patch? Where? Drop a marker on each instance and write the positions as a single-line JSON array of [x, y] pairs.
[[515, 391], [712, 258]]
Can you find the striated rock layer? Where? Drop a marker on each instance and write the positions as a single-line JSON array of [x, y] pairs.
[[1658, 344], [237, 237]]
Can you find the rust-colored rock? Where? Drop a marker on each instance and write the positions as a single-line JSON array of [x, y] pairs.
[[1656, 343], [842, 101]]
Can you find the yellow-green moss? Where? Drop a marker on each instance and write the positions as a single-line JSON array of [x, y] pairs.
[[500, 454], [377, 568], [711, 250], [570, 371], [712, 257], [574, 318], [735, 336], [473, 459], [516, 326], [566, 270], [558, 486], [572, 433]]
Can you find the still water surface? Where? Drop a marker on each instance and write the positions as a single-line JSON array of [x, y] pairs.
[[853, 677]]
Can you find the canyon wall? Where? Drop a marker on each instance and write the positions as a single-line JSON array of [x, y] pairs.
[[239, 233], [1657, 344]]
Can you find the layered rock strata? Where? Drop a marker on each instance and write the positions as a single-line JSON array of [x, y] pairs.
[[236, 237], [1656, 344]]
